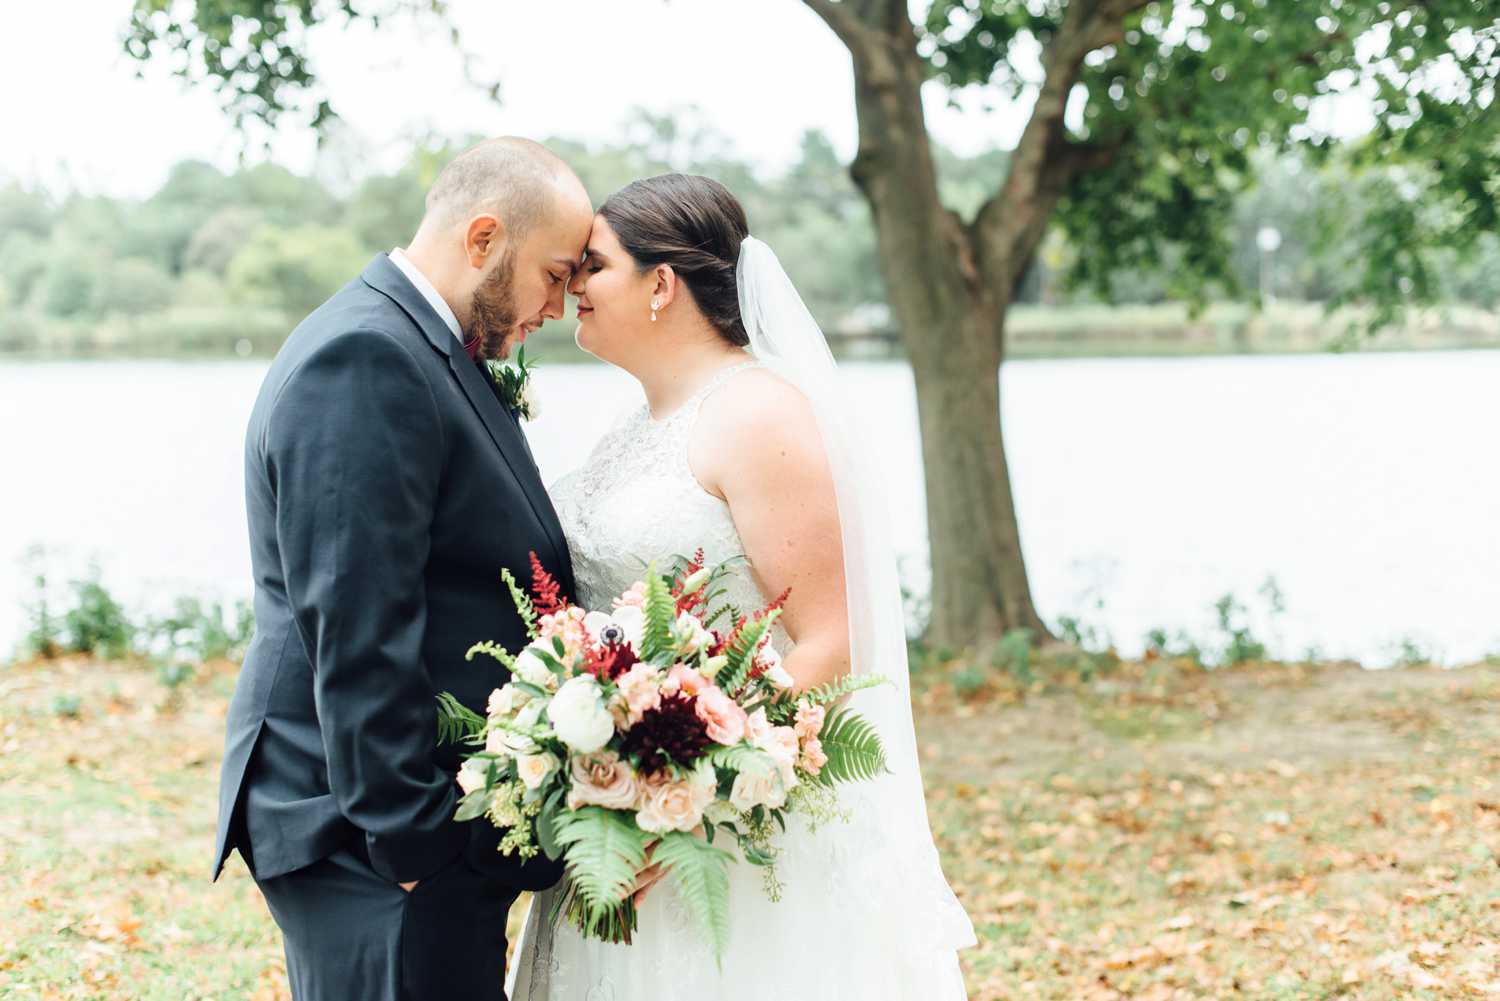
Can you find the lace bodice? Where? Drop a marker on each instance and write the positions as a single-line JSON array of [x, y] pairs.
[[635, 501]]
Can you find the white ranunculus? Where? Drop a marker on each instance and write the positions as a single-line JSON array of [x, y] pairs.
[[531, 669], [533, 769], [579, 716]]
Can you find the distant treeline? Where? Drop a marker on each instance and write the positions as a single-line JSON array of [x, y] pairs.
[[214, 262]]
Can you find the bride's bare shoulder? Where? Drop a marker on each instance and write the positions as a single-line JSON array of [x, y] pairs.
[[758, 423]]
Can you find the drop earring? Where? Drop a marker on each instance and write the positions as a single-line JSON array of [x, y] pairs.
[[654, 307]]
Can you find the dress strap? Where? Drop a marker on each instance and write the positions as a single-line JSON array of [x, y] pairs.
[[695, 402]]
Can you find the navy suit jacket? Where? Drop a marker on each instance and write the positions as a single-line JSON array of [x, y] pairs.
[[386, 487]]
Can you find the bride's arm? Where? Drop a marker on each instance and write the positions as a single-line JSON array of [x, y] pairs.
[[756, 445]]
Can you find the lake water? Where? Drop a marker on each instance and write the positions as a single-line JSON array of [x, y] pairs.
[[1367, 485]]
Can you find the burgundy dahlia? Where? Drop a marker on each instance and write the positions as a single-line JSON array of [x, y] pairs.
[[670, 733]]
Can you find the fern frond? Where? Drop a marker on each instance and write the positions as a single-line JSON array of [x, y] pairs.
[[494, 650], [853, 748], [456, 721], [524, 608], [741, 651], [657, 609], [604, 849], [701, 873], [835, 690]]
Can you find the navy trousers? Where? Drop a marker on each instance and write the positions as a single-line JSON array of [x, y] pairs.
[[351, 935]]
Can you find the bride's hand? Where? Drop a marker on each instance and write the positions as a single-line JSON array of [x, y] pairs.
[[652, 874]]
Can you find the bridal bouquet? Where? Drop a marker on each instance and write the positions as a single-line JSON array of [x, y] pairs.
[[663, 730]]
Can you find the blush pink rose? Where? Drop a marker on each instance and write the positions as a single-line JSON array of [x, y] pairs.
[[675, 806], [602, 779], [722, 717]]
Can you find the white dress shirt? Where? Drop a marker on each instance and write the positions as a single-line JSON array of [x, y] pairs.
[[422, 285]]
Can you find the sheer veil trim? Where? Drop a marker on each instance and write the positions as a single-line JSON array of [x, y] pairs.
[[905, 878]]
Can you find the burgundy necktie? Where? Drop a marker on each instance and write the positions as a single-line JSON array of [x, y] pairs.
[[472, 346]]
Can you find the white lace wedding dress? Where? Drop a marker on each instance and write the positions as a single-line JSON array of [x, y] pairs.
[[837, 932]]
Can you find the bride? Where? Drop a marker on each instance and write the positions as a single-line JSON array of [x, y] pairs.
[[744, 448]]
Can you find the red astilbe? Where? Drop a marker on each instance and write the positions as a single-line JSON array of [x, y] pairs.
[[688, 602], [756, 668], [607, 661], [546, 589]]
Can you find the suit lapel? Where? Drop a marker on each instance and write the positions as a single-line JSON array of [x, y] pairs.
[[385, 277]]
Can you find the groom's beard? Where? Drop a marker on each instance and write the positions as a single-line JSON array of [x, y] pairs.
[[492, 311]]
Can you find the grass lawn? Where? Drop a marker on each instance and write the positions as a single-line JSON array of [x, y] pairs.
[[1159, 832]]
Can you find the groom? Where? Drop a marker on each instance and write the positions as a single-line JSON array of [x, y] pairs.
[[387, 485]]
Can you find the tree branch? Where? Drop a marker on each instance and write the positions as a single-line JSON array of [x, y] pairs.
[[1010, 225]]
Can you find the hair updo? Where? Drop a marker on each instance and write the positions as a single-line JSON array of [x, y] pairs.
[[694, 224]]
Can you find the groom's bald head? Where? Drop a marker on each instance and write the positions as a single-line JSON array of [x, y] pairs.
[[516, 180]]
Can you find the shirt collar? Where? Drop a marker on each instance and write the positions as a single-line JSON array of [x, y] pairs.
[[421, 284]]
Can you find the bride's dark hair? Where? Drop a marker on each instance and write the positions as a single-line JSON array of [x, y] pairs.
[[694, 224]]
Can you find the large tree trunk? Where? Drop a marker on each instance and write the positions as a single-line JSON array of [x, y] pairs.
[[952, 321]]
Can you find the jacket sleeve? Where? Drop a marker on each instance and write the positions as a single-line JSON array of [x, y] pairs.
[[355, 450]]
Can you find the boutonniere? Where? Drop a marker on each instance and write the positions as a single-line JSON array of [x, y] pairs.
[[514, 383]]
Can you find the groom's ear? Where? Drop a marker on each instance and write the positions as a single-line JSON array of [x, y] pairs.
[[484, 237]]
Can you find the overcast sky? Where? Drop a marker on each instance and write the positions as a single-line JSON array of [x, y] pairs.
[[73, 114], [763, 72]]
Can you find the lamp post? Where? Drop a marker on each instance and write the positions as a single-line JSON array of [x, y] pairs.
[[1268, 239]]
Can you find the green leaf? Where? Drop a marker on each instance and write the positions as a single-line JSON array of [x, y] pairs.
[[741, 652], [474, 804], [494, 650], [605, 850], [701, 873], [546, 824], [524, 608], [853, 748], [456, 721], [835, 690], [657, 609]]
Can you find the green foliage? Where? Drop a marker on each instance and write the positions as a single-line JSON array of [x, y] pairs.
[[853, 748], [1174, 107], [835, 690], [700, 872], [457, 723], [206, 630], [605, 850], [658, 614], [1240, 644], [95, 622], [44, 629], [524, 608], [1013, 655], [741, 651], [294, 269], [491, 649]]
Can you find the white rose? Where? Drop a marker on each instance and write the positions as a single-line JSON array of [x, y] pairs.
[[472, 774], [531, 669], [579, 715], [758, 787], [533, 769], [506, 700], [757, 727]]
